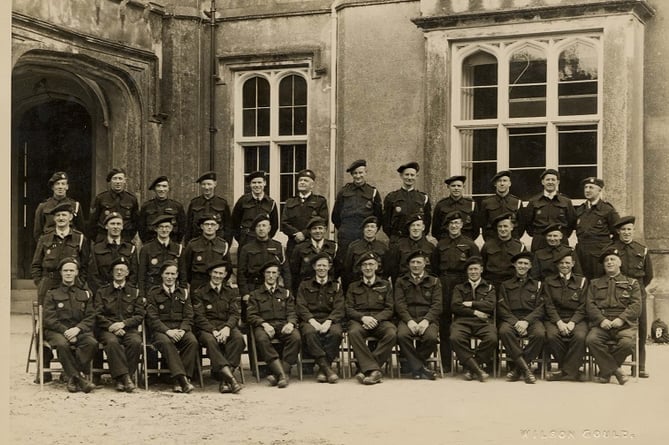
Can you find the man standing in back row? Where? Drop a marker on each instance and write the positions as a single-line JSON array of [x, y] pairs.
[[405, 202], [116, 199], [208, 203], [252, 204]]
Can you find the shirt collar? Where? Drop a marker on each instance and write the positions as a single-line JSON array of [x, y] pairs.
[[119, 286], [566, 277], [64, 233], [475, 284], [304, 196], [169, 290], [550, 195]]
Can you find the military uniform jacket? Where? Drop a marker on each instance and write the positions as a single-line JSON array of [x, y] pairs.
[[125, 304], [359, 247], [44, 220], [165, 311], [451, 253], [418, 299], [565, 300], [483, 299], [301, 267], [400, 251], [466, 207], [520, 299], [375, 300], [321, 302], [399, 206], [276, 308], [155, 207], [497, 255], [496, 205], [109, 201], [213, 310], [542, 212], [215, 205], [103, 254], [152, 256], [595, 223], [297, 212], [247, 208], [623, 302], [636, 262], [544, 265], [252, 256], [68, 307], [200, 253], [353, 204], [51, 248]]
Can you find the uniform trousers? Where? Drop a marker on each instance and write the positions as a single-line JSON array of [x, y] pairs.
[[463, 329], [322, 345], [448, 283], [385, 332], [181, 356], [290, 342], [223, 354], [536, 335], [610, 358], [425, 346], [568, 350], [122, 352], [77, 360]]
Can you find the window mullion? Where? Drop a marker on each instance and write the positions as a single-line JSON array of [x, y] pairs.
[[552, 80], [502, 147], [552, 146]]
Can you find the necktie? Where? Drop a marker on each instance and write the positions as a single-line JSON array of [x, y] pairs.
[[611, 291]]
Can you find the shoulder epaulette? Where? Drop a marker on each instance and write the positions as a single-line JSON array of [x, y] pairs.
[[582, 282]]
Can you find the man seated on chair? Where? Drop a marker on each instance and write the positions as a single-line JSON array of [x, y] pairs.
[[69, 317], [369, 307], [170, 318], [473, 307], [520, 311], [120, 311], [613, 305], [217, 311], [320, 308], [418, 303], [271, 314], [566, 328]]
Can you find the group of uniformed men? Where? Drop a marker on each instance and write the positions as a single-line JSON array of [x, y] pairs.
[[411, 291]]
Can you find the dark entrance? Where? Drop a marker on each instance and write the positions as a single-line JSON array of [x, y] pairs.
[[52, 136]]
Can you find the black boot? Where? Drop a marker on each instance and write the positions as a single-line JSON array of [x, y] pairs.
[[280, 378], [474, 367], [523, 368], [128, 383], [186, 385], [328, 372], [622, 378], [85, 385], [229, 378]]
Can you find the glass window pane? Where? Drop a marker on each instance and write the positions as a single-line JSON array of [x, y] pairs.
[[479, 158], [263, 122], [527, 147], [527, 83], [479, 86], [300, 124], [527, 65], [571, 177], [479, 178], [263, 92], [525, 183], [287, 156], [300, 90], [249, 93], [577, 145], [286, 91], [287, 184], [300, 157], [249, 122], [285, 121], [577, 88]]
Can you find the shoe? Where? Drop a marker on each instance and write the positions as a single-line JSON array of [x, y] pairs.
[[427, 373], [224, 388], [186, 385], [622, 378], [528, 375], [321, 377], [331, 375], [360, 377], [271, 379], [128, 383], [85, 385], [644, 374], [468, 376], [373, 378], [177, 388], [73, 384], [230, 381], [416, 375], [120, 387], [472, 365], [600, 379], [235, 386], [513, 375], [279, 375], [555, 376]]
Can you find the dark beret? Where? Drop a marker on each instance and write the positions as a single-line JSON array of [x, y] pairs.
[[549, 171], [256, 174], [608, 251], [158, 180], [369, 220], [168, 263], [593, 180], [367, 256], [111, 216], [317, 221], [412, 164], [306, 173], [62, 207], [624, 220], [461, 178], [551, 228], [268, 264], [356, 164], [207, 175], [412, 219], [57, 177], [209, 217], [67, 260], [113, 172], [417, 253], [473, 260], [320, 256], [260, 217], [526, 254], [163, 218], [119, 260], [565, 253], [501, 217], [499, 174], [221, 263], [452, 215]]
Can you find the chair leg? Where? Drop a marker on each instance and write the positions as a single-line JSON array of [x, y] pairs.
[[144, 360], [199, 370], [40, 365], [254, 353], [440, 366], [299, 366]]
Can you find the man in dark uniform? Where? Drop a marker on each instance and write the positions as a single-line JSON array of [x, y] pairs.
[[300, 209], [636, 264], [217, 310], [545, 264], [320, 310], [594, 227], [355, 201], [271, 313], [204, 250], [497, 252], [208, 203], [118, 200], [69, 317], [104, 253], [401, 204], [369, 307], [416, 240], [448, 262], [156, 252], [473, 307], [418, 300], [161, 204], [455, 201], [613, 304], [58, 183], [520, 311], [62, 242], [566, 327], [301, 263], [120, 311], [250, 205], [500, 203], [549, 207], [368, 243], [170, 317]]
